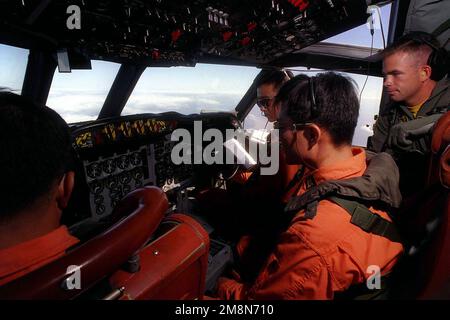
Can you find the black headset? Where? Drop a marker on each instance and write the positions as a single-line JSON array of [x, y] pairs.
[[439, 59], [312, 92]]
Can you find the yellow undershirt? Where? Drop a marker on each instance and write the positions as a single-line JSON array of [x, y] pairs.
[[415, 109]]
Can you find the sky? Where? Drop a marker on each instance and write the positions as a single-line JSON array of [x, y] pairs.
[[79, 95]]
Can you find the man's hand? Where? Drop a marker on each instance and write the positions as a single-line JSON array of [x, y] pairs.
[[403, 134]]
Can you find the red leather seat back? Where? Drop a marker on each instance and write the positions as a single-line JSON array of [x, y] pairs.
[[437, 258], [439, 142], [441, 134], [173, 266], [100, 256], [444, 173]]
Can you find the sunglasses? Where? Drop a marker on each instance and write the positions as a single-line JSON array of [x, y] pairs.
[[264, 102]]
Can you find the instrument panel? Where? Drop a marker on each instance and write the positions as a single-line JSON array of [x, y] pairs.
[[119, 155], [111, 178]]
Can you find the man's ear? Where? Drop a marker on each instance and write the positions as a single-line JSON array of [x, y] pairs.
[[425, 73], [65, 189], [312, 134]]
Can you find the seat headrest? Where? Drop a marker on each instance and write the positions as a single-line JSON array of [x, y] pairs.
[[441, 134], [97, 258], [444, 168]]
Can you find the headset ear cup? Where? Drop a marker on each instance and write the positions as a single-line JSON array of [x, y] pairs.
[[439, 63], [314, 110], [439, 58]]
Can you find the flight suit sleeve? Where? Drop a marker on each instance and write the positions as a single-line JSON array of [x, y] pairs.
[[231, 289], [292, 271]]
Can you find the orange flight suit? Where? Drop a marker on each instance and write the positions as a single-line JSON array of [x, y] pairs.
[[25, 257], [314, 258]]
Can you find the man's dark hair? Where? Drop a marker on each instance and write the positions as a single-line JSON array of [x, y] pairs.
[[35, 146], [273, 76], [336, 100]]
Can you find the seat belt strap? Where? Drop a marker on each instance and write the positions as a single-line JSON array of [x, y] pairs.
[[367, 220]]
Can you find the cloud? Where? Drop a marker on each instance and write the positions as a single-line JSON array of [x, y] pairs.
[[75, 106], [185, 103]]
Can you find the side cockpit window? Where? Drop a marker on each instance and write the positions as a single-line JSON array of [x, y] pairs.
[[79, 95], [13, 64]]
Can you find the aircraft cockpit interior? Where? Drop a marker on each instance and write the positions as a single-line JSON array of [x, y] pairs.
[[148, 202]]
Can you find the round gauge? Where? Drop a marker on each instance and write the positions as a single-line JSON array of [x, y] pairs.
[[135, 159], [96, 187], [125, 178], [112, 183], [123, 162], [100, 209], [109, 166], [93, 170], [138, 175]]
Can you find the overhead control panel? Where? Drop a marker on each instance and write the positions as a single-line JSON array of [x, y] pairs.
[[164, 33]]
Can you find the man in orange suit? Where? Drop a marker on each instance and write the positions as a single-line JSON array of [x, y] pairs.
[[36, 182], [325, 248]]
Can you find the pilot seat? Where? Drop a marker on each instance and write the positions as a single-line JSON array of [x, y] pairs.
[[144, 255]]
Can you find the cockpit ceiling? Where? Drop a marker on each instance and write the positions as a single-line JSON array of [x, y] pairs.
[[167, 33]]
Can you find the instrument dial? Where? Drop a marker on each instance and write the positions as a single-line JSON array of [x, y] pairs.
[[93, 170], [112, 183], [135, 159], [109, 166], [96, 187], [123, 162], [125, 178], [100, 209]]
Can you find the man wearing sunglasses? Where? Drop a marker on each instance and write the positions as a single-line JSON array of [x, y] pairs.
[[268, 85], [260, 195], [325, 250]]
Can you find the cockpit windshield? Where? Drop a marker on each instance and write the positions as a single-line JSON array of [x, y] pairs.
[[187, 90]]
